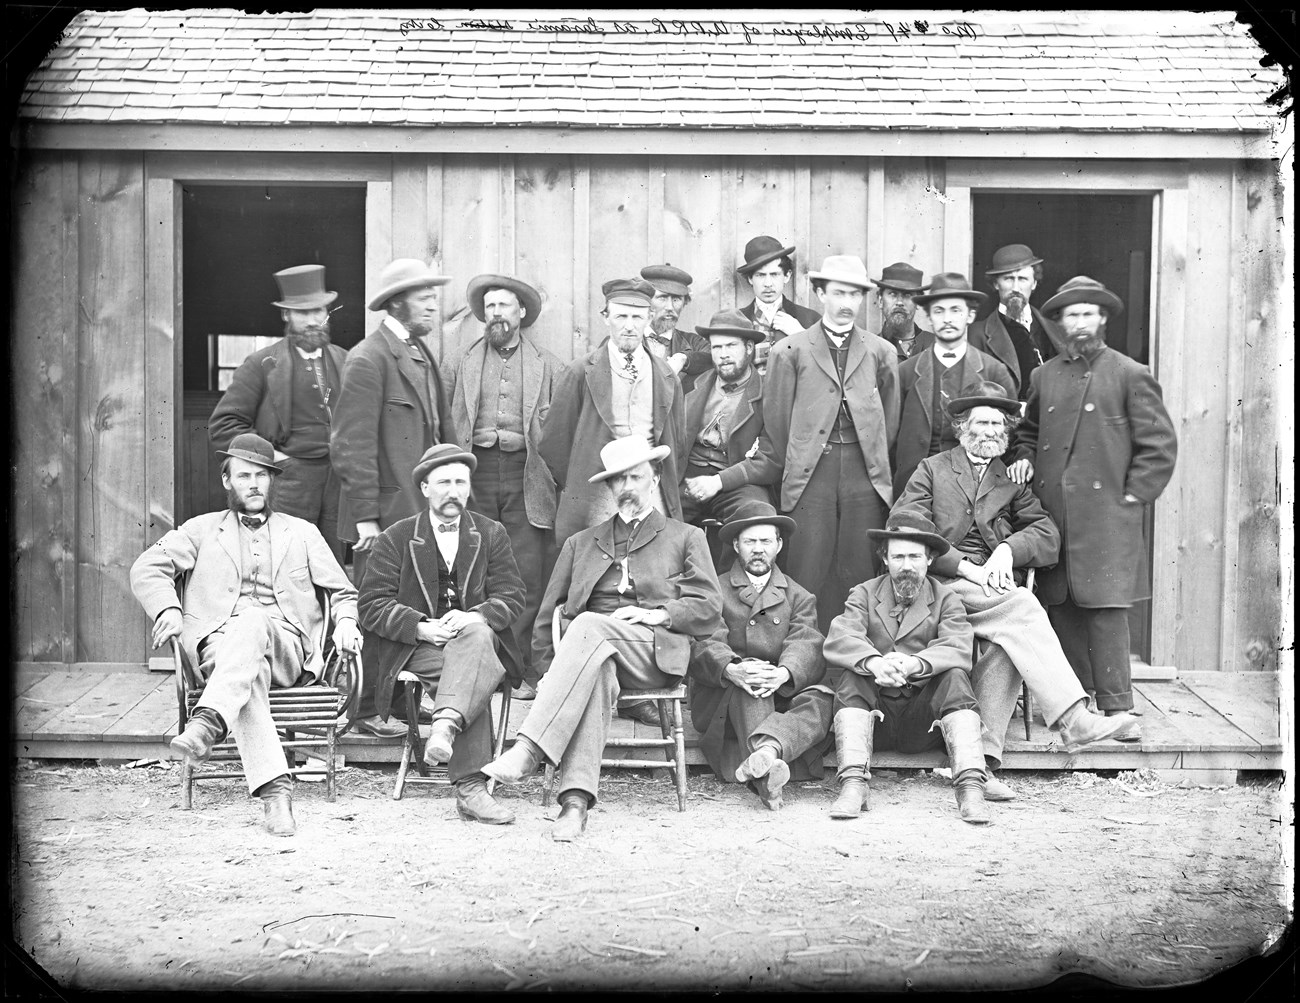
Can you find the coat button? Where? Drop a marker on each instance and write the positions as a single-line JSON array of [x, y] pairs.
[[776, 619], [1096, 485], [752, 622], [968, 511], [1051, 409], [1090, 407]]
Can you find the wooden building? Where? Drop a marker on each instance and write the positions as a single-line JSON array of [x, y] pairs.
[[171, 161]]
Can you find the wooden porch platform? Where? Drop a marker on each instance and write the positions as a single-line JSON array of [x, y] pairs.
[[1205, 724]]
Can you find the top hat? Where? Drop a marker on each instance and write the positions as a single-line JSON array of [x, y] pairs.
[[950, 285], [902, 277], [632, 292], [1082, 289], [403, 274], [439, 455], [733, 324], [846, 268], [908, 525], [529, 298], [1012, 258], [302, 287], [754, 513], [252, 447], [667, 279], [761, 250], [626, 453], [983, 393]]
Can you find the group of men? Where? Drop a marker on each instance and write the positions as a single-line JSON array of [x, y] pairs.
[[872, 503]]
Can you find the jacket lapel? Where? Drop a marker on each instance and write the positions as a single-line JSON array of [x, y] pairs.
[[530, 360], [882, 601], [919, 610], [665, 382], [924, 386], [745, 409], [696, 401], [279, 386], [228, 535], [473, 379], [471, 542], [600, 384], [647, 531], [995, 474], [424, 559], [821, 352], [857, 350], [408, 369], [278, 527], [963, 471]]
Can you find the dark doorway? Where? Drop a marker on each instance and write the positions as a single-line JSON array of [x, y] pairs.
[[1107, 237], [234, 238]]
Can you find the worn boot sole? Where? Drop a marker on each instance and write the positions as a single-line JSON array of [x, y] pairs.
[[436, 751], [469, 815], [770, 786], [513, 767], [1121, 731], [996, 790], [275, 821], [193, 752], [852, 802]]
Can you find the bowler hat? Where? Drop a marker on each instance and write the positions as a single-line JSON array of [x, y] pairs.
[[902, 277], [302, 287], [252, 447], [1082, 289], [634, 292], [403, 274], [1012, 258], [950, 285], [761, 250], [846, 268], [480, 285], [907, 525], [733, 324], [667, 279], [626, 453], [983, 393], [440, 455], [754, 513]]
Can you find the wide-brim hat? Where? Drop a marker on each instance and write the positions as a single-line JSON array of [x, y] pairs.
[[1082, 289], [754, 513], [950, 285], [302, 287], [901, 277], [733, 324], [1012, 258], [529, 298], [668, 279], [252, 447], [632, 292], [911, 526], [846, 268], [985, 393], [440, 455], [760, 250], [403, 274], [626, 453]]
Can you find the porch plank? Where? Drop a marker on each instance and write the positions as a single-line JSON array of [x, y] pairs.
[[47, 699], [1206, 729], [153, 717], [1247, 699], [90, 714], [26, 675]]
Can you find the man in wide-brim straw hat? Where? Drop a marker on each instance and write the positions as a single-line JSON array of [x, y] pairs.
[[757, 697], [634, 589], [1017, 334], [1098, 447]]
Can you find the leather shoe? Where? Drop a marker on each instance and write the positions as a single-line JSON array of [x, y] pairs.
[[277, 806], [204, 730], [572, 820], [475, 804], [769, 773], [516, 763], [524, 691], [1078, 728], [645, 711], [377, 726], [996, 790], [437, 750]]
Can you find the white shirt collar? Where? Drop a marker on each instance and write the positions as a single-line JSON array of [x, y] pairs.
[[308, 355], [1026, 318], [759, 583], [940, 348], [975, 461], [448, 543], [398, 328], [768, 310], [841, 335], [640, 357]]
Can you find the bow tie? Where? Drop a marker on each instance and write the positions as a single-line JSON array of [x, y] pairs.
[[948, 355], [252, 523], [730, 388], [444, 527]]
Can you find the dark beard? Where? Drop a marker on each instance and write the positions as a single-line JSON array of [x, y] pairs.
[[237, 506], [758, 566], [897, 327], [1015, 304], [664, 324], [311, 339], [907, 585], [1080, 346], [499, 333]]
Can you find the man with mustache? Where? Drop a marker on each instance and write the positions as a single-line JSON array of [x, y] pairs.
[[1016, 334], [756, 691], [1098, 446], [769, 263], [927, 382], [439, 598], [285, 393], [635, 589], [998, 528], [251, 617], [903, 648], [830, 417], [499, 392], [687, 354], [896, 291]]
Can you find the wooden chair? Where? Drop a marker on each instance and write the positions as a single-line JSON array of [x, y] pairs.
[[413, 744], [671, 698], [1026, 701]]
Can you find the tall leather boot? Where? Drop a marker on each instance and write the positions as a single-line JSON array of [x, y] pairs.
[[854, 729], [204, 729], [277, 806], [961, 733], [1078, 728]]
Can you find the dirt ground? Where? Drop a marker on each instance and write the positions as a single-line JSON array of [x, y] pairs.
[[1124, 878]]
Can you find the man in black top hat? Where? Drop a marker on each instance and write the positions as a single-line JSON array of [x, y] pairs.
[[895, 295], [1016, 334], [285, 393], [768, 266], [686, 353]]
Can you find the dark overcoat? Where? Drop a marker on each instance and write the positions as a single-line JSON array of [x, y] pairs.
[[742, 442], [699, 359], [802, 314], [400, 589], [991, 336], [1095, 429], [921, 340]]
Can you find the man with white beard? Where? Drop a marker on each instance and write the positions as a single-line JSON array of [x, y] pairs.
[[997, 529]]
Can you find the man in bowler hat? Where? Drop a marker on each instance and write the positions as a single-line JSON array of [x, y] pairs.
[[1016, 334], [895, 295], [769, 263]]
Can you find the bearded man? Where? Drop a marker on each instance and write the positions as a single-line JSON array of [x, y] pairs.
[[687, 354], [285, 393], [895, 295], [1016, 334]]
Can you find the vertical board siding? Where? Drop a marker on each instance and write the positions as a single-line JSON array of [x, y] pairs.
[[471, 240], [692, 198], [619, 231], [161, 360], [543, 213]]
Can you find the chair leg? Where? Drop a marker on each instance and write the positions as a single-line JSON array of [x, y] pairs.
[[329, 762], [679, 733], [546, 790], [499, 736], [187, 785], [1029, 708], [403, 765]]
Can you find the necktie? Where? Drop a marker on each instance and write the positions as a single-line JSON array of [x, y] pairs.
[[448, 527], [253, 524], [730, 388], [629, 367], [900, 610]]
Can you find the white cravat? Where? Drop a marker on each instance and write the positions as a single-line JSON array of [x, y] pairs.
[[308, 355], [767, 311], [398, 329], [978, 465], [960, 354]]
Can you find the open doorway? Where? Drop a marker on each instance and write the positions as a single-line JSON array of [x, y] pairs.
[[234, 238]]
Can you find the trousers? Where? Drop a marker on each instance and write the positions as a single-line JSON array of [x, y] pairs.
[[908, 715], [797, 724], [310, 489], [1096, 642]]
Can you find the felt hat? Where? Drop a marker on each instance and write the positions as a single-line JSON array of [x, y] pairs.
[[1012, 258], [403, 274], [761, 250], [902, 277], [733, 324], [302, 287], [529, 298], [1082, 289], [754, 513], [626, 453], [846, 268], [440, 455], [252, 447], [667, 279], [632, 292], [983, 393], [950, 285], [912, 526]]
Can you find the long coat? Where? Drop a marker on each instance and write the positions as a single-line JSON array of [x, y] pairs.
[[916, 379], [802, 314], [945, 490], [383, 423], [260, 396], [991, 336], [801, 397], [670, 563], [581, 422], [777, 626], [207, 549], [1096, 429], [699, 359], [400, 589], [742, 442], [463, 382]]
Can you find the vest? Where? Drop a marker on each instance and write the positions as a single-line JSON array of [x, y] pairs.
[[500, 417], [844, 430], [309, 416], [448, 588]]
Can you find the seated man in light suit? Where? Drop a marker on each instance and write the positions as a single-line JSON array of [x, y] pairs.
[[638, 587], [251, 617]]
